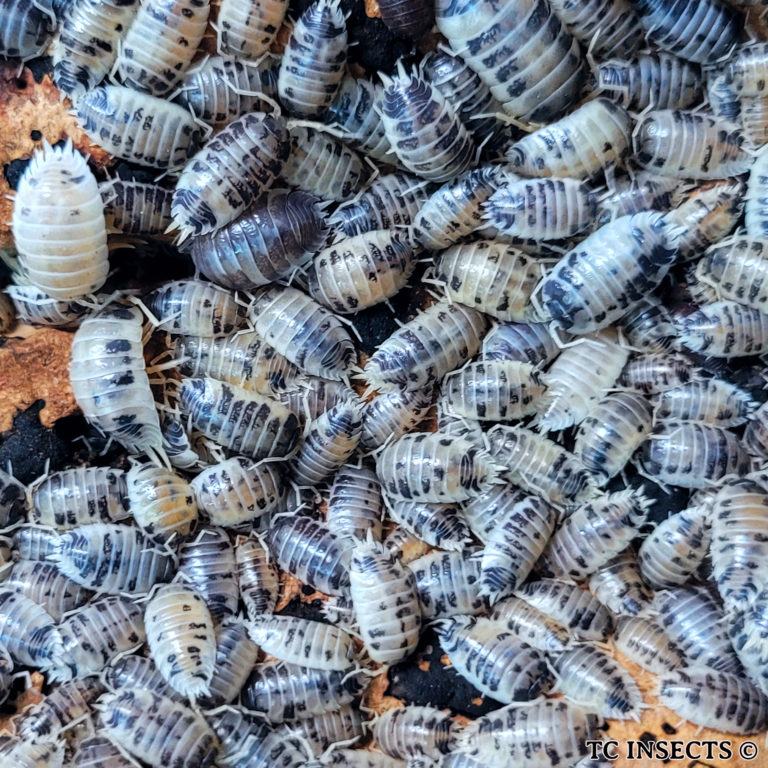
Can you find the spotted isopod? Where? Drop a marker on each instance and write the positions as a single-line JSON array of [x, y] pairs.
[[110, 382], [273, 237], [653, 373], [541, 209], [314, 59], [58, 196], [692, 454], [229, 173], [701, 31], [46, 586], [221, 89], [28, 632], [138, 672], [675, 549], [237, 490], [618, 585], [493, 277], [303, 642], [32, 542], [540, 465], [737, 268], [405, 546], [434, 468], [594, 534], [482, 511], [307, 549], [136, 208], [207, 564], [354, 112], [393, 414], [438, 340], [535, 736], [595, 284], [530, 625], [307, 334], [245, 422], [470, 96], [386, 603], [97, 633], [388, 202], [246, 28], [138, 127], [98, 751], [575, 608], [355, 505], [156, 729], [361, 271], [689, 145], [594, 136], [256, 577], [524, 342], [523, 52], [244, 360], [579, 378], [590, 677], [161, 43], [22, 753], [643, 640], [648, 326], [612, 432], [712, 401], [448, 584], [111, 558], [715, 700], [412, 730], [454, 210], [725, 329], [695, 621], [425, 132], [439, 525], [284, 691], [641, 192], [25, 30], [653, 78], [35, 307], [86, 49]]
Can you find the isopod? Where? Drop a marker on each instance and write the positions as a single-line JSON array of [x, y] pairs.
[[45, 585], [712, 401], [645, 642], [391, 415], [530, 625], [245, 29], [725, 329], [737, 268], [652, 373], [26, 29], [609, 27], [618, 585], [136, 208], [439, 525], [525, 342], [38, 308], [256, 577], [28, 632], [411, 730], [355, 505], [13, 501]]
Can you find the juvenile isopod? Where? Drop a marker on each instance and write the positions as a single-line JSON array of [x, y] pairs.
[[675, 549], [494, 390], [32, 542], [578, 379], [386, 603], [434, 468], [22, 753], [717, 700], [424, 130], [601, 279], [14, 506], [273, 237], [314, 59], [207, 564], [591, 678], [156, 729], [594, 136], [321, 164], [238, 491], [448, 584], [491, 276], [229, 173], [138, 127], [594, 534], [346, 724], [58, 224], [161, 43], [523, 52], [612, 432], [307, 334], [309, 551], [692, 454], [361, 271], [246, 422], [109, 379], [689, 145], [181, 639], [438, 340], [112, 558]]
